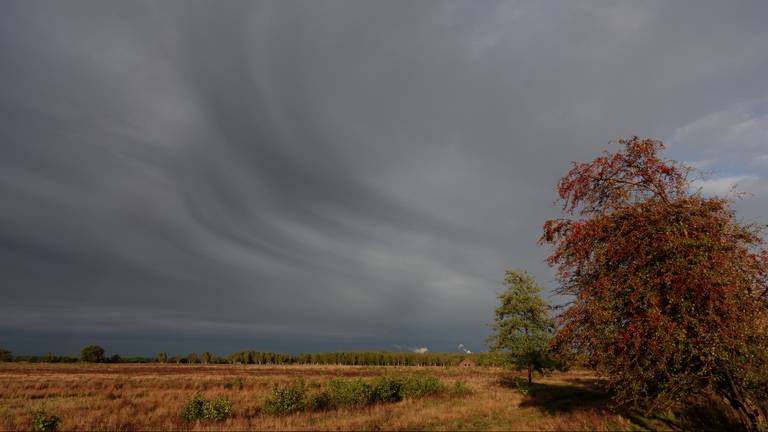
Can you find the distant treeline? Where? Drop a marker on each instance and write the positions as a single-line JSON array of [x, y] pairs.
[[361, 358], [365, 358], [50, 358]]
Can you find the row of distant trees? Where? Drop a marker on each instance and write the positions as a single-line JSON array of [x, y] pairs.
[[89, 353], [364, 358], [96, 354]]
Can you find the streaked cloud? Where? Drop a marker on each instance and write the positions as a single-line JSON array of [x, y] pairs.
[[199, 176]]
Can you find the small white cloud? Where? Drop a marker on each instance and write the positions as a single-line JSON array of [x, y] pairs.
[[416, 349]]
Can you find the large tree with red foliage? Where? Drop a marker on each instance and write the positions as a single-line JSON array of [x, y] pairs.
[[670, 291]]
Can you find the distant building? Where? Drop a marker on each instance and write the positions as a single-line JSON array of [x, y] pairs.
[[467, 363]]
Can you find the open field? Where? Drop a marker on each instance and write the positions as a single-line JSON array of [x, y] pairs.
[[150, 397]]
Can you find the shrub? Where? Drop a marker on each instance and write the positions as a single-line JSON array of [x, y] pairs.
[[198, 408], [218, 409], [193, 410], [42, 422], [351, 393], [387, 389], [287, 400], [417, 386]]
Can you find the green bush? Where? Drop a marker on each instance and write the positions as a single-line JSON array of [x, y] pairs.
[[287, 400], [388, 389], [340, 393], [418, 386], [218, 409], [193, 410], [352, 393], [198, 408], [42, 422]]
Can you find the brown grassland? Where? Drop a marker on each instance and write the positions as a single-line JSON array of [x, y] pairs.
[[126, 397]]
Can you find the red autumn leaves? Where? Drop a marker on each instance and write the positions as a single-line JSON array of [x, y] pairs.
[[669, 289]]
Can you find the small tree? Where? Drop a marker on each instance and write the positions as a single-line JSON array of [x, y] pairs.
[[92, 353], [192, 358], [162, 357], [206, 357], [5, 355], [669, 289], [522, 327]]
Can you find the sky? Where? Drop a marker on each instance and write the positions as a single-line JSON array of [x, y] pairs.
[[333, 175]]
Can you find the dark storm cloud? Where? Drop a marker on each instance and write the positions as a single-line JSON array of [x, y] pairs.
[[331, 175]]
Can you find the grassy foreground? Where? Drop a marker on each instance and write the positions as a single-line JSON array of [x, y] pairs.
[[151, 397]]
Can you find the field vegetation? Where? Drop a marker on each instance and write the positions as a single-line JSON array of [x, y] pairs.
[[131, 397], [157, 396]]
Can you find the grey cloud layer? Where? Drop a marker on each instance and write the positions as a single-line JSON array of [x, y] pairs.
[[329, 175]]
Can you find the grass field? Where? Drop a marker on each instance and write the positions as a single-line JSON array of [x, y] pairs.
[[150, 397]]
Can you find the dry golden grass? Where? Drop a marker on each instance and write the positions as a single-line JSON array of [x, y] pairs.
[[150, 397]]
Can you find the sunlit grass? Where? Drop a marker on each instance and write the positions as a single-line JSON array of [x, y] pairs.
[[142, 397]]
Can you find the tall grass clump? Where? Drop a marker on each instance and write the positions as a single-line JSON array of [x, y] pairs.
[[236, 384], [460, 388]]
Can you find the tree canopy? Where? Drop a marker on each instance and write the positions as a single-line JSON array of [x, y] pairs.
[[522, 326], [92, 353], [669, 289]]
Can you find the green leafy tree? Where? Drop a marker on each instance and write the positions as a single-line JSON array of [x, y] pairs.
[[92, 353], [162, 357], [670, 290], [5, 355], [522, 327], [192, 358], [206, 357]]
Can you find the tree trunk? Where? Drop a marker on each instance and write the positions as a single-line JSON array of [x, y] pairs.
[[530, 375], [750, 414]]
